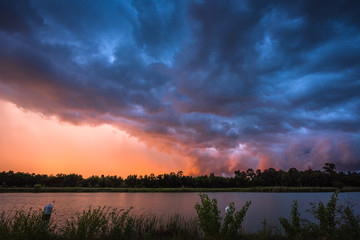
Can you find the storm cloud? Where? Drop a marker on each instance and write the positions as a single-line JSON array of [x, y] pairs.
[[230, 84]]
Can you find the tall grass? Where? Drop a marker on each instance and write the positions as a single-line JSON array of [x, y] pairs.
[[333, 221], [23, 225]]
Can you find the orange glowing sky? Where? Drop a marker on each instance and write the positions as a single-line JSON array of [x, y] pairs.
[[33, 143]]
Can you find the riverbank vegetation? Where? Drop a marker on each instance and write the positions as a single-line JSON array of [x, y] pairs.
[[42, 189], [270, 178], [333, 221]]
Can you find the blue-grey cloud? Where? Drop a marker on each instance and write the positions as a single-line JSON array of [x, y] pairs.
[[233, 84]]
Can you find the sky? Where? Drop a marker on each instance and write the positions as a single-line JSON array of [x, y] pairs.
[[140, 87]]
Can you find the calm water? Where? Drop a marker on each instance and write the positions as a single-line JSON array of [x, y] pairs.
[[269, 206]]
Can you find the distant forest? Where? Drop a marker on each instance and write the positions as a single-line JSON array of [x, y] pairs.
[[327, 177]]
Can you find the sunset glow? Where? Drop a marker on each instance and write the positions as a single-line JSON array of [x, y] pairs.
[[34, 143]]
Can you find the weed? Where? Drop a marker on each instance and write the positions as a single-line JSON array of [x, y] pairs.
[[233, 220], [209, 216], [210, 219], [25, 225]]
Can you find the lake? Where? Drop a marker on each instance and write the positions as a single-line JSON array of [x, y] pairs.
[[269, 206]]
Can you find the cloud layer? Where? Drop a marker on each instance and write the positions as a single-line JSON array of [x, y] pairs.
[[229, 84]]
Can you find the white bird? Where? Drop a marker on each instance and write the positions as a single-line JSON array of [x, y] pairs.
[[227, 209]]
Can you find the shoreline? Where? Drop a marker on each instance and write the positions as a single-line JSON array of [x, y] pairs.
[[180, 190], [113, 223]]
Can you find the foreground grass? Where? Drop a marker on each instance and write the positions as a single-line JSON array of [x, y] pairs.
[[98, 223], [250, 189], [104, 223]]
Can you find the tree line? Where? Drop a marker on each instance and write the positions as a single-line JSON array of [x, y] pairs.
[[327, 177]]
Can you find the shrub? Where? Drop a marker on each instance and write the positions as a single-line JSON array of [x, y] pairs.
[[24, 225], [329, 224], [121, 224], [294, 229], [91, 224], [233, 220], [106, 223], [210, 219], [326, 215], [350, 227], [209, 216]]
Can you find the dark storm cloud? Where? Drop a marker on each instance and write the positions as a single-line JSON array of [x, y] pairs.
[[232, 84], [17, 16]]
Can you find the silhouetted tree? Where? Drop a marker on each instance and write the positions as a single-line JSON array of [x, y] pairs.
[[269, 177], [329, 168]]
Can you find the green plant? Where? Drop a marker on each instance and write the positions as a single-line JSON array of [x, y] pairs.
[[210, 219], [121, 224], [4, 225], [209, 216], [326, 216], [25, 225], [350, 227], [329, 224], [270, 231], [293, 229], [180, 227], [91, 224], [233, 220]]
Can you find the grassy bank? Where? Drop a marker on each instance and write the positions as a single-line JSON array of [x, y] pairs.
[[333, 221], [251, 189]]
